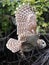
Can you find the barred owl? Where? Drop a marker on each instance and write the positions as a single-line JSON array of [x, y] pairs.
[[26, 30]]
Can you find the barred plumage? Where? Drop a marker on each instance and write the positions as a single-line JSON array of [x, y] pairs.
[[23, 18]]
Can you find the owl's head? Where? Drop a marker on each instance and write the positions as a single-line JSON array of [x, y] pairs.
[[41, 43]]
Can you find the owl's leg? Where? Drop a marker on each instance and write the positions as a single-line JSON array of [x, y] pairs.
[[22, 54]]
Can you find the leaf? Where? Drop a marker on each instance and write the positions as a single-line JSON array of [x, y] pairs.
[[39, 13], [45, 25], [45, 9], [29, 1], [42, 0], [47, 4], [38, 28]]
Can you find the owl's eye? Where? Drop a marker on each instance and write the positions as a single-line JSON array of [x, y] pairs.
[[43, 43]]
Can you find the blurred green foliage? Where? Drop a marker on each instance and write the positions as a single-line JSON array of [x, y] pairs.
[[6, 26], [8, 7]]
